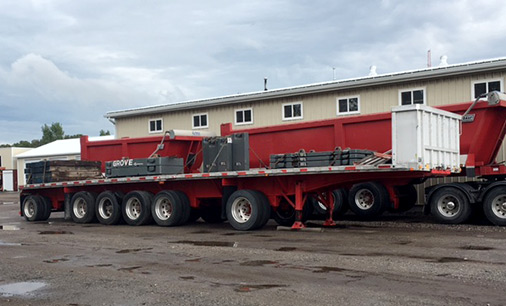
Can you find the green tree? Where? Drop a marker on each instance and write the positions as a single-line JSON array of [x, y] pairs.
[[72, 136], [51, 133], [104, 133]]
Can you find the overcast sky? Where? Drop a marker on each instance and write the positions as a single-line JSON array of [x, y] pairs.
[[73, 61]]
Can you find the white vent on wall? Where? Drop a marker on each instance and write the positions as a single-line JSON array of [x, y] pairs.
[[372, 71], [443, 61]]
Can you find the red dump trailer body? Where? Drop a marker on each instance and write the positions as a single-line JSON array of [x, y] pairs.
[[481, 138], [186, 147], [246, 198]]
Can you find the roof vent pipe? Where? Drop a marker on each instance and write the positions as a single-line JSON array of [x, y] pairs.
[[372, 71], [265, 84], [443, 61]]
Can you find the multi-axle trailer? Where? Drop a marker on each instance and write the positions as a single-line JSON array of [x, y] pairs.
[[409, 154]]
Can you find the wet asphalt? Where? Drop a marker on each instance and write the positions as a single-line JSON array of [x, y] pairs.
[[396, 260]]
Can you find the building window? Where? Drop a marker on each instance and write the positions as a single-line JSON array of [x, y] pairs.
[[412, 96], [200, 121], [155, 125], [243, 116], [484, 86], [348, 105], [292, 111]]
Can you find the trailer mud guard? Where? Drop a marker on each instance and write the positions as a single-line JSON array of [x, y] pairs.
[[468, 190], [66, 207], [227, 192]]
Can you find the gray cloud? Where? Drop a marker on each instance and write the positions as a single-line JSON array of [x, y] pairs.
[[71, 62]]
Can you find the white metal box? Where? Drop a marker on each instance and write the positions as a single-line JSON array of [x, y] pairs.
[[425, 138]]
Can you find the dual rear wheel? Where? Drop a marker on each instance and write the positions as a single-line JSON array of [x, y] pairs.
[[36, 208]]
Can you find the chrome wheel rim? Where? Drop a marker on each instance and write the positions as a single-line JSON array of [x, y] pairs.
[[105, 208], [133, 208], [163, 208], [29, 208], [364, 199], [499, 206], [80, 208], [448, 206], [241, 210]]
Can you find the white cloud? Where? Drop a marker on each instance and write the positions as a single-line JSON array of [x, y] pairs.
[[72, 61]]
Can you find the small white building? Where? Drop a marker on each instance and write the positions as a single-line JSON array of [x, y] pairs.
[[65, 149], [8, 167]]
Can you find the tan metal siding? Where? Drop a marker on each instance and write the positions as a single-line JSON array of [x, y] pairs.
[[375, 99]]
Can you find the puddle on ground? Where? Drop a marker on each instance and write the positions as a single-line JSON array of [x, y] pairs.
[[451, 259], [403, 242], [129, 269], [209, 243], [201, 232], [187, 277], [99, 266], [286, 249], [22, 288], [56, 233], [2, 243], [258, 263], [249, 288], [476, 248], [7, 203], [328, 269], [9, 227], [56, 260], [235, 233], [125, 251]]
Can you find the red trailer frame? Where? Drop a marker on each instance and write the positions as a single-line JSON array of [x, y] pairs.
[[254, 192]]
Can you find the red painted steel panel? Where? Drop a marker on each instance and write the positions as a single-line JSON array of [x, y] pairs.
[[109, 150], [482, 137]]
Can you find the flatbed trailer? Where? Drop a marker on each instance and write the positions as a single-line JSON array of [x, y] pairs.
[[245, 197], [249, 198]]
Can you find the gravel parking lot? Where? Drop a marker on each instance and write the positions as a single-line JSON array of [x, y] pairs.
[[397, 260]]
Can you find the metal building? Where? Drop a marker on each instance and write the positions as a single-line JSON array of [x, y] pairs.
[[8, 167], [445, 84]]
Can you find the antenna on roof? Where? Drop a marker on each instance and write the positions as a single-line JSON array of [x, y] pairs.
[[429, 59], [265, 84], [334, 73]]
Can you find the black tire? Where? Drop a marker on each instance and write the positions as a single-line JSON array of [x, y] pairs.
[[34, 208], [108, 208], [48, 207], [450, 205], [266, 210], [82, 207], [494, 205], [368, 200], [318, 208], [245, 210], [136, 208], [284, 214], [185, 203], [340, 203], [210, 210], [407, 198], [167, 208]]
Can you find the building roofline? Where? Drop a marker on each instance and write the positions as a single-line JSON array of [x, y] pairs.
[[352, 83]]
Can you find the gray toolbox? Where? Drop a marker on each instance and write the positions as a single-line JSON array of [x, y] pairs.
[[144, 167], [228, 153], [217, 154]]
